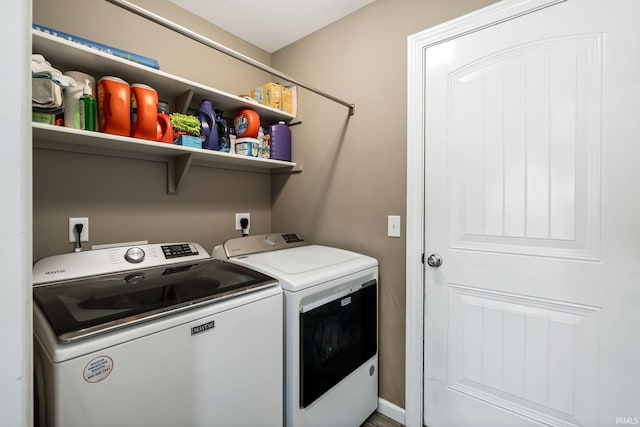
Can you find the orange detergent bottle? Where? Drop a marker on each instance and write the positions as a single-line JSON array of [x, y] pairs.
[[247, 124], [114, 104], [144, 112]]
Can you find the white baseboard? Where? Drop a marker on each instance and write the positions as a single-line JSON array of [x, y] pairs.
[[391, 410]]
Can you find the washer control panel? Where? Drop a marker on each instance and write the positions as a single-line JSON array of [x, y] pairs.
[[113, 259], [134, 255], [179, 250]]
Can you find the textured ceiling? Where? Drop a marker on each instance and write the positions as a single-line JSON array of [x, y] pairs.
[[271, 24]]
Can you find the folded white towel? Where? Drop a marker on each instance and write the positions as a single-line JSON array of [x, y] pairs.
[[40, 67]]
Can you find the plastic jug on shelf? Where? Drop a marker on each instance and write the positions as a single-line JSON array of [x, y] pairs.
[[247, 124], [114, 106], [223, 132], [280, 142], [208, 126], [144, 111], [164, 130]]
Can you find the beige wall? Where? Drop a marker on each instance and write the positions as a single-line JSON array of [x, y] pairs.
[[103, 22], [127, 199], [355, 167]]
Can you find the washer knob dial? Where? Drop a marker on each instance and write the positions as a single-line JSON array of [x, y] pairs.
[[134, 255]]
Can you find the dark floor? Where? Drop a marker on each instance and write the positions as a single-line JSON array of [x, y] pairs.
[[379, 420]]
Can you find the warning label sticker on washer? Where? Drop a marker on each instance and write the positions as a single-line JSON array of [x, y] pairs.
[[98, 369]]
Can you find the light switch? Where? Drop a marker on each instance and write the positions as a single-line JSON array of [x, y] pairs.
[[393, 226]]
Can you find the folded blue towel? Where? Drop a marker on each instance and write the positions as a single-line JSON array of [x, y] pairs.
[[134, 57]]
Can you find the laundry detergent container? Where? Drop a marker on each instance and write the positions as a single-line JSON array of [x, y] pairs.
[[280, 136], [114, 106]]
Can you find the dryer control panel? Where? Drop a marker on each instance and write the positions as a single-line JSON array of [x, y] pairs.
[[292, 238], [247, 245]]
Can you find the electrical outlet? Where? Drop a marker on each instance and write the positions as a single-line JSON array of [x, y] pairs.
[[239, 216], [73, 236]]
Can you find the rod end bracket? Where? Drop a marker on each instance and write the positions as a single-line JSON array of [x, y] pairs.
[[352, 109]]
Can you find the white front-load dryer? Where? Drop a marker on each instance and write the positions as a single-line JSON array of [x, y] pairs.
[[331, 336]]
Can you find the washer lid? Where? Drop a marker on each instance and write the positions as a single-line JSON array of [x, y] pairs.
[[305, 266], [82, 308]]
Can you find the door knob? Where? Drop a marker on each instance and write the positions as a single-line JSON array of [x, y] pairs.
[[434, 260]]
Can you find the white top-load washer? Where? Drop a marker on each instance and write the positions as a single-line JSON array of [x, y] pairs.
[[331, 357], [156, 335]]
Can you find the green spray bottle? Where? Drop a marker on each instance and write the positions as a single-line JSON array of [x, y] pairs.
[[87, 108]]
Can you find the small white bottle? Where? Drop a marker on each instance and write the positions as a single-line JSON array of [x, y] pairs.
[[260, 145], [232, 140]]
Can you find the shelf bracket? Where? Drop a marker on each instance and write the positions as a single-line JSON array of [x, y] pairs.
[[183, 101], [177, 168], [296, 169]]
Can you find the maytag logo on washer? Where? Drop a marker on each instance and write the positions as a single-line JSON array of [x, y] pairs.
[[202, 328], [64, 270]]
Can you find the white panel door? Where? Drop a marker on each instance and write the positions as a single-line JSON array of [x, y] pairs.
[[532, 174]]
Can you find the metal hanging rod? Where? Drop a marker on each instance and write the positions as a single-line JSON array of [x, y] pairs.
[[221, 48]]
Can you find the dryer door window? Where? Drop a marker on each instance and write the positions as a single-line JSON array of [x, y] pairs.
[[336, 338]]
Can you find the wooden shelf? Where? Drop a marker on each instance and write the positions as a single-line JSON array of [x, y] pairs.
[[66, 55], [177, 157]]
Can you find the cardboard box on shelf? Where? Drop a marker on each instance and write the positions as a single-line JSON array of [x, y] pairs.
[[277, 96], [290, 99], [257, 94], [272, 95]]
